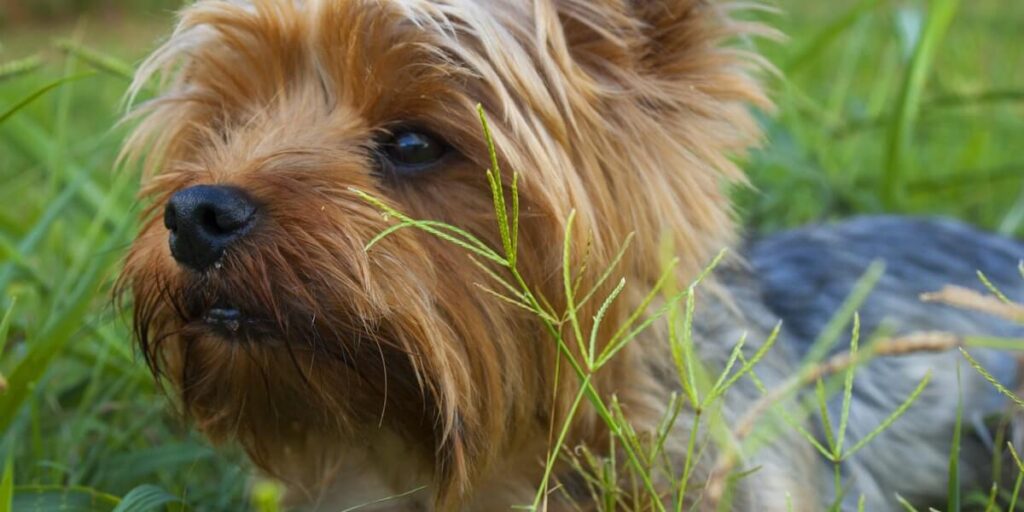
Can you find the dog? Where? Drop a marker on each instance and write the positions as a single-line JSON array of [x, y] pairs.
[[389, 376]]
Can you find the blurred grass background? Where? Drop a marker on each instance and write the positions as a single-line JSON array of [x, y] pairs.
[[868, 121]]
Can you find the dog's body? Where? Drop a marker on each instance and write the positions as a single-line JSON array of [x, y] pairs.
[[354, 373], [804, 276], [801, 278]]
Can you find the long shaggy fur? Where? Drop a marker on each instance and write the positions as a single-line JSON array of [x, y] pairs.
[[369, 373]]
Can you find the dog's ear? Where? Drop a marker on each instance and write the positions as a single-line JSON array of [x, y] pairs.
[[670, 39], [669, 92]]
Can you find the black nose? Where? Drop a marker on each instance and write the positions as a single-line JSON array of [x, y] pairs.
[[204, 220]]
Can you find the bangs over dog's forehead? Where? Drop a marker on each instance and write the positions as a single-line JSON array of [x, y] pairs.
[[386, 61], [595, 102]]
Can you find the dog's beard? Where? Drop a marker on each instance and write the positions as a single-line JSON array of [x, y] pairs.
[[270, 350], [312, 348]]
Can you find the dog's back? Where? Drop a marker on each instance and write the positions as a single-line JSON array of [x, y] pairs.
[[804, 276]]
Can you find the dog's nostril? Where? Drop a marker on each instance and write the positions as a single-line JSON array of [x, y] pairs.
[[204, 220], [229, 220], [221, 221], [207, 219], [170, 219]]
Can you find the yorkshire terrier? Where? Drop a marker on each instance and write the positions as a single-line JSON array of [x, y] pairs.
[[353, 374]]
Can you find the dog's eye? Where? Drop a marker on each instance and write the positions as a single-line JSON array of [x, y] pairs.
[[411, 152]]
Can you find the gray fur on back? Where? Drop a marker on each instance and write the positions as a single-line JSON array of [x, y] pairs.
[[804, 275]]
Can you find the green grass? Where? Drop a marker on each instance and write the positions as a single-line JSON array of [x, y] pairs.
[[863, 126], [883, 108]]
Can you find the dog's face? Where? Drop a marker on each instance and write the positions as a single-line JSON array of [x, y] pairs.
[[253, 290]]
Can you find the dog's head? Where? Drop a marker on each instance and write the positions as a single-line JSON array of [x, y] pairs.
[[253, 290]]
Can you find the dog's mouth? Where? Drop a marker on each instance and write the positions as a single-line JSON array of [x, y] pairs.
[[227, 318], [252, 309], [232, 322]]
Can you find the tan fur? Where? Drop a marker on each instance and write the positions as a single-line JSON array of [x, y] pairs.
[[388, 369]]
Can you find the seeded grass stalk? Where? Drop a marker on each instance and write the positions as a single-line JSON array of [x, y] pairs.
[[98, 60], [991, 379], [585, 361], [583, 366], [701, 390], [24, 66], [996, 304]]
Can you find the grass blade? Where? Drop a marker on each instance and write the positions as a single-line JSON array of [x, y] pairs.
[[5, 325], [65, 324], [570, 300], [471, 244], [905, 504], [748, 365], [385, 499], [737, 350], [1020, 476], [7, 485], [145, 498], [51, 498], [895, 415], [826, 419], [826, 36], [940, 16], [953, 485], [834, 328], [13, 109]]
